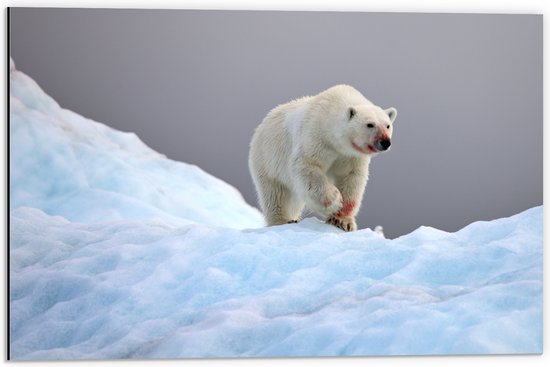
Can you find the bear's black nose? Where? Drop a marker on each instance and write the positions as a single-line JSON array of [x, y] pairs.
[[385, 144]]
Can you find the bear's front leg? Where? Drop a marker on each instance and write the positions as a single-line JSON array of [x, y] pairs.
[[320, 195], [352, 186]]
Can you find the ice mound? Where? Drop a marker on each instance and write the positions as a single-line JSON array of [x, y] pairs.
[[85, 171], [117, 252]]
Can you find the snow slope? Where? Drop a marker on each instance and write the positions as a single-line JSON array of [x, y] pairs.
[[118, 252], [88, 172]]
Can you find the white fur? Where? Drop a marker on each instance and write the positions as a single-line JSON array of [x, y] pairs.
[[309, 152]]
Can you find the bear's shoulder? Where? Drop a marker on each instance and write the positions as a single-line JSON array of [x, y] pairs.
[[343, 94]]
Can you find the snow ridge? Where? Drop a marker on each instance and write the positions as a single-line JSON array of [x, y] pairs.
[[76, 163]]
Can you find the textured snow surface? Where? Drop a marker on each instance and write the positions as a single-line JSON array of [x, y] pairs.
[[118, 252], [85, 171]]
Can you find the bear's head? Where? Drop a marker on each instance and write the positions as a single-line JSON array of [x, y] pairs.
[[367, 129]]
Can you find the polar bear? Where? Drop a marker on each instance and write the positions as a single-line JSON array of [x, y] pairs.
[[315, 152]]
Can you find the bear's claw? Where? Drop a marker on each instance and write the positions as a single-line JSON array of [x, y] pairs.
[[345, 224]]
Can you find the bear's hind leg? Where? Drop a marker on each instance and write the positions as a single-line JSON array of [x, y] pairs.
[[294, 207], [279, 204]]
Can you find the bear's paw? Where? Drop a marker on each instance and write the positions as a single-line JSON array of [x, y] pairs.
[[344, 223]]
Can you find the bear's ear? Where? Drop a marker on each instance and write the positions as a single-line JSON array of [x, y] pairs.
[[392, 113], [351, 112]]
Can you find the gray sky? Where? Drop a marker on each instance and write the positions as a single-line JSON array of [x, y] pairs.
[[193, 85]]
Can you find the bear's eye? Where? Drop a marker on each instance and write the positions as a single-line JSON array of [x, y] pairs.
[[370, 126]]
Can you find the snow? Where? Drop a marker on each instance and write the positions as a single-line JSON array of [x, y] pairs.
[[77, 163], [117, 252]]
